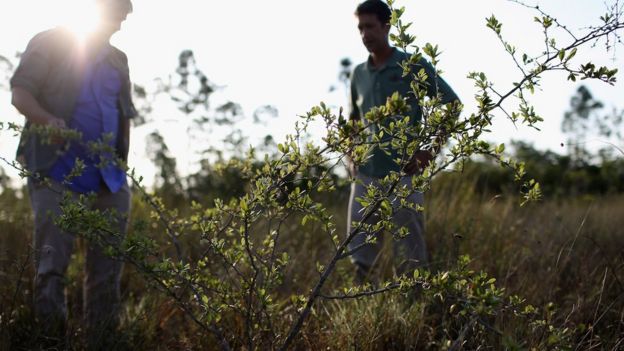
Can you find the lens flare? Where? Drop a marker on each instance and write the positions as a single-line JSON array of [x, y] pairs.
[[81, 17]]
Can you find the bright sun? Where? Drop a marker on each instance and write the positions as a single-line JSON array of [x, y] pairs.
[[82, 18]]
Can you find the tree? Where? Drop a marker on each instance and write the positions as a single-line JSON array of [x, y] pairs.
[[6, 68], [214, 132], [585, 122]]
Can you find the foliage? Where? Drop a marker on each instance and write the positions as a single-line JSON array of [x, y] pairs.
[[558, 175], [583, 122], [228, 266], [555, 251]]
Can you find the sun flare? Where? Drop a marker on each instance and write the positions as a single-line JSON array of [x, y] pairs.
[[82, 19]]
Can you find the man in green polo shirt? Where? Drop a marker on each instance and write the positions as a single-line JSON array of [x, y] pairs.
[[372, 83]]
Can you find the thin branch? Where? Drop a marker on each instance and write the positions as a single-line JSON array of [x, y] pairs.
[[537, 8], [361, 294], [163, 217]]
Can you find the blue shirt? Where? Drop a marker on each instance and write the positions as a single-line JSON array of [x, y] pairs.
[[96, 116]]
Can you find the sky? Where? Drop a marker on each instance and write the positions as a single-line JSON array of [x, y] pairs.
[[286, 53]]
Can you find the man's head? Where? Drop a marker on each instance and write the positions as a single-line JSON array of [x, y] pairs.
[[374, 24], [112, 14]]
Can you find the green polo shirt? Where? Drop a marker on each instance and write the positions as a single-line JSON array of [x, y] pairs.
[[372, 86]]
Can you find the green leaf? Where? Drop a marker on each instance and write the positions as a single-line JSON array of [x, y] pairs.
[[500, 149], [571, 55], [494, 24]]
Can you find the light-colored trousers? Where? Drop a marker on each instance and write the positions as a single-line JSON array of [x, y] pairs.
[[410, 251], [53, 249]]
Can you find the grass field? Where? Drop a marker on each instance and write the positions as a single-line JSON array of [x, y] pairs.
[[564, 256]]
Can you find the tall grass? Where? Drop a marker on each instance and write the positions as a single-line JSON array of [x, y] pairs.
[[565, 256]]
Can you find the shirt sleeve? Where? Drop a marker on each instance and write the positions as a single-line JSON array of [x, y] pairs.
[[436, 85], [34, 66], [127, 107], [354, 112]]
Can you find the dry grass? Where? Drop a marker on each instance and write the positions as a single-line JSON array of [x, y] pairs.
[[566, 251]]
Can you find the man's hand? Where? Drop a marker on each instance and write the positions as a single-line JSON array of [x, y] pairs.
[[25, 103], [56, 123], [351, 168], [419, 161], [60, 124], [34, 113]]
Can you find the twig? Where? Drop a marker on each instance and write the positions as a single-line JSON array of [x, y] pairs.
[[294, 330], [358, 295]]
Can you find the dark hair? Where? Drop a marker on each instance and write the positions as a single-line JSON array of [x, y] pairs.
[[375, 7], [122, 6]]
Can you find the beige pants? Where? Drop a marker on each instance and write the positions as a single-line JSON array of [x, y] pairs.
[[53, 249], [409, 252]]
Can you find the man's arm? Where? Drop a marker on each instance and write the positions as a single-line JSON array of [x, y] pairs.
[[124, 130], [354, 115], [30, 77], [127, 111], [436, 86], [27, 105]]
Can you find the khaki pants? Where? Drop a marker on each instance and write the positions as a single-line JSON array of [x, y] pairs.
[[53, 249], [410, 251]]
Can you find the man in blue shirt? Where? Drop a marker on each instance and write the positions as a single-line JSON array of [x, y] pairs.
[[64, 83], [372, 83]]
